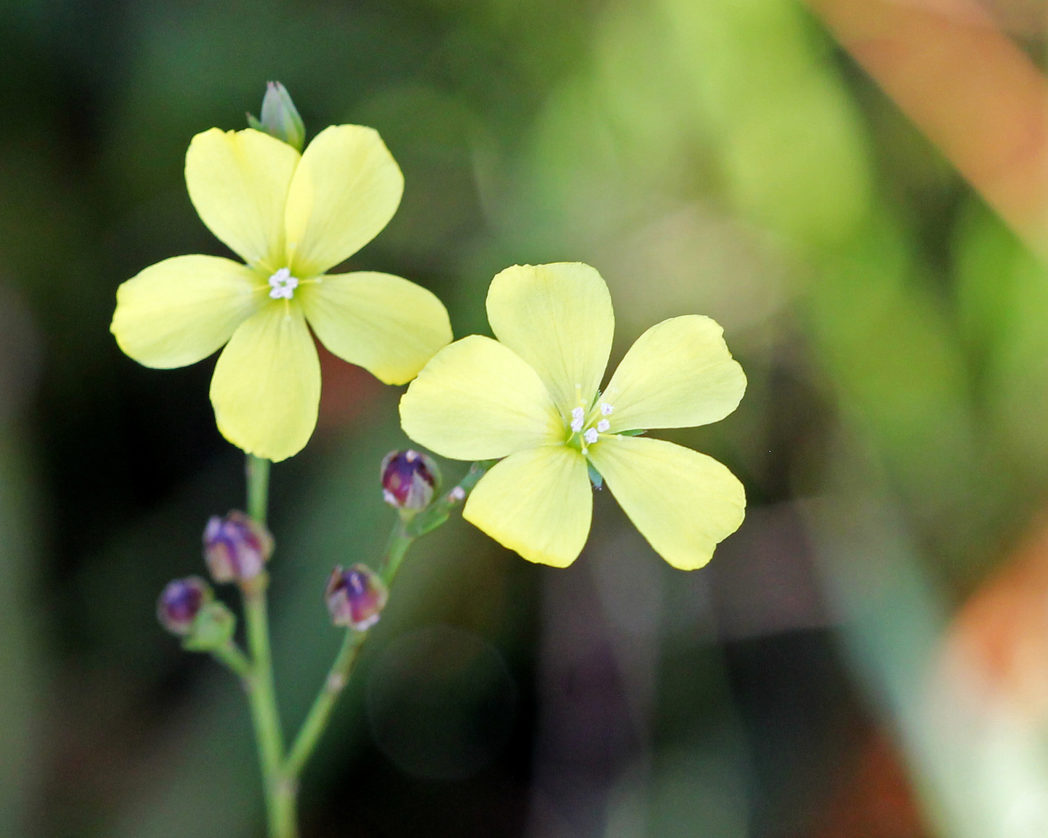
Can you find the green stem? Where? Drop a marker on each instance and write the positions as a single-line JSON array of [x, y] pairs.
[[261, 696], [319, 714], [261, 691], [257, 471], [396, 550], [231, 657]]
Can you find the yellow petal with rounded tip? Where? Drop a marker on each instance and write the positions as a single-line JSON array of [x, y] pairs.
[[344, 191], [266, 386], [537, 502], [179, 311], [678, 374], [558, 318], [383, 323], [477, 400], [238, 182], [684, 503]]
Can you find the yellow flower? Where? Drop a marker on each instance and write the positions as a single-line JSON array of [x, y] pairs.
[[290, 217], [532, 398]]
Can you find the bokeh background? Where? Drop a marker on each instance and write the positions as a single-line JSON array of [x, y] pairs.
[[852, 189]]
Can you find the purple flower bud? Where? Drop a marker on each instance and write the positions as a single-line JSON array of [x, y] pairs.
[[180, 602], [409, 480], [355, 597], [236, 548]]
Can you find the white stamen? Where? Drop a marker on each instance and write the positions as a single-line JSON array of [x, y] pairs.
[[282, 285], [603, 425], [578, 416], [457, 494], [590, 436], [605, 409]]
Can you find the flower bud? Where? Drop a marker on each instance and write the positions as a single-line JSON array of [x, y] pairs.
[[280, 117], [409, 480], [355, 597], [236, 548], [180, 602]]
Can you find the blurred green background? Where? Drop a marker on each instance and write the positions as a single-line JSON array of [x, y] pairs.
[[716, 157]]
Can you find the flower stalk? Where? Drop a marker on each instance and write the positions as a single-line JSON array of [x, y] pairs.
[[280, 767], [260, 688], [323, 705], [230, 656]]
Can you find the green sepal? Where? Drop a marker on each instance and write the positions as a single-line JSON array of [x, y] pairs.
[[213, 627], [595, 476]]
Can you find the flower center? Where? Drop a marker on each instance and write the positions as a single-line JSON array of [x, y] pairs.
[[282, 285], [586, 428]]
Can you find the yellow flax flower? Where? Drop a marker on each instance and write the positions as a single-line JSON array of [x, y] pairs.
[[532, 398], [290, 217]]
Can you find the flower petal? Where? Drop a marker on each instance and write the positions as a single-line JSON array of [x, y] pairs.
[[266, 386], [477, 400], [678, 374], [558, 318], [344, 192], [238, 182], [381, 322], [683, 502], [179, 311], [537, 502]]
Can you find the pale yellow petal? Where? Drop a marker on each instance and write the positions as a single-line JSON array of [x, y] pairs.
[[383, 323], [678, 374], [266, 386], [558, 318], [179, 311], [537, 502], [345, 190], [477, 400], [238, 182], [684, 503]]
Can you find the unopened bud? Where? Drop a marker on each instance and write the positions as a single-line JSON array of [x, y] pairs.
[[280, 117], [355, 597], [180, 602], [409, 480], [236, 548]]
